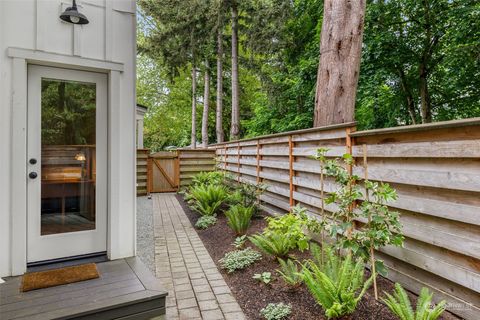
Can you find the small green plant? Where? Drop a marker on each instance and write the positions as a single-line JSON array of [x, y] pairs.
[[205, 221], [207, 199], [290, 272], [208, 178], [265, 277], [276, 311], [293, 226], [337, 285], [400, 305], [272, 244], [239, 259], [248, 195], [238, 218], [240, 241]]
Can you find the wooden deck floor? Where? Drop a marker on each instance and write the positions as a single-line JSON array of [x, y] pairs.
[[126, 289]]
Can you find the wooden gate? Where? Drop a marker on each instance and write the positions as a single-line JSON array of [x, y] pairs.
[[163, 171]]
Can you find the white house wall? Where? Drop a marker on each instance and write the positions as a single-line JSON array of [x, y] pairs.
[[110, 36]]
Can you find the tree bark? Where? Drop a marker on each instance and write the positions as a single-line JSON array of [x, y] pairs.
[[340, 53], [219, 112], [424, 94], [194, 108], [408, 96], [206, 104], [235, 127]]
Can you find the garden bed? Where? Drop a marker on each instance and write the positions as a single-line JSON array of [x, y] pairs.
[[253, 295]]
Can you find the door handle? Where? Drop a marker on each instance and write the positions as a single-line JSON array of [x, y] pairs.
[[32, 175]]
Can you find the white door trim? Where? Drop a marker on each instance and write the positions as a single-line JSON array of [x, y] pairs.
[[18, 208]]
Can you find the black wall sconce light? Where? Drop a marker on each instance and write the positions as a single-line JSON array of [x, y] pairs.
[[71, 15]]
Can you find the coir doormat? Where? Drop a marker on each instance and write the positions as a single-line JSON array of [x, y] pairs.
[[56, 277]]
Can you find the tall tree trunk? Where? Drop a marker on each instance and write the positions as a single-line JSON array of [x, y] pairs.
[[235, 128], [424, 94], [206, 104], [340, 53], [219, 113], [194, 108], [408, 96]]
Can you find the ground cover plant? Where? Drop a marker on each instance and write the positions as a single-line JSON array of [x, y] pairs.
[[276, 311], [265, 277], [239, 259], [205, 221]]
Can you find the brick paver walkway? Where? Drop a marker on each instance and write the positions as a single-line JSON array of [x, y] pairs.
[[196, 289]]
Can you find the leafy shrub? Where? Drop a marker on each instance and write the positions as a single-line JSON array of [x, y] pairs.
[[293, 226], [335, 289], [208, 178], [265, 277], [248, 195], [272, 244], [276, 311], [207, 199], [239, 259], [400, 305], [238, 218], [205, 221], [240, 241], [290, 272]]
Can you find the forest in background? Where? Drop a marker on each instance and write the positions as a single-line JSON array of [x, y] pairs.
[[420, 63]]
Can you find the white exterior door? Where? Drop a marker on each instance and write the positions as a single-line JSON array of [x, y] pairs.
[[67, 163]]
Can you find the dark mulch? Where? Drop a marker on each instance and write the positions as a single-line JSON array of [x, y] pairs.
[[253, 295]]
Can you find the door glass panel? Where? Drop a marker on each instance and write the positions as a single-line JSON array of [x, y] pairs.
[[68, 156]]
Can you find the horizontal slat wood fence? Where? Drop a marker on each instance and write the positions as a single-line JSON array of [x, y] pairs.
[[193, 161], [435, 169], [142, 175]]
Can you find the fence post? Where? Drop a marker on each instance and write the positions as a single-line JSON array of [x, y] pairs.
[[238, 162], [177, 168], [291, 173], [258, 161], [149, 175]]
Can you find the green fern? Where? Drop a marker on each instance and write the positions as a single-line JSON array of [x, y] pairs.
[[207, 199], [290, 272], [399, 304], [238, 218], [338, 290], [208, 178], [272, 244]]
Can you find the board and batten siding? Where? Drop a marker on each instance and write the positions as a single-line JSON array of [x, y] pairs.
[[435, 169], [32, 33]]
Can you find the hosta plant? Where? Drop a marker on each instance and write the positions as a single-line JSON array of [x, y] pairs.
[[400, 305], [338, 290], [207, 199], [239, 259], [272, 244], [238, 218], [290, 272], [205, 221], [265, 277], [276, 311]]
